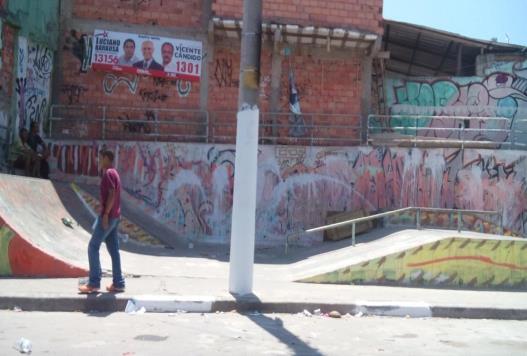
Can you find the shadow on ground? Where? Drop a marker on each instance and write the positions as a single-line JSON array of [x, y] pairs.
[[275, 327]]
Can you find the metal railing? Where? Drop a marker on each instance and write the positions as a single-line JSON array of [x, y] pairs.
[[156, 124], [310, 129], [285, 128], [418, 211], [125, 123], [460, 131]]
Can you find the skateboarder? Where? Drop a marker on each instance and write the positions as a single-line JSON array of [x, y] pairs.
[[106, 229]]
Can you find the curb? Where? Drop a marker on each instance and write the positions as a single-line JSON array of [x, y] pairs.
[[206, 304]]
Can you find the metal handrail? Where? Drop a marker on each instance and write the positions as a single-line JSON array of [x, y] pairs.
[[272, 122], [101, 113], [401, 116], [418, 211], [459, 133], [217, 126]]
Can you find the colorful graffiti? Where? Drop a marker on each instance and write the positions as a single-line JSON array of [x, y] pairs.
[[451, 262], [499, 94], [33, 80], [189, 186], [127, 227]]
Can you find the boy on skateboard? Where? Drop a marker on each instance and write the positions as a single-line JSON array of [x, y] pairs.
[[106, 229]]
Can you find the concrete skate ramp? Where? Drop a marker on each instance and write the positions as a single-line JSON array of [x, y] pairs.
[[34, 242], [429, 258]]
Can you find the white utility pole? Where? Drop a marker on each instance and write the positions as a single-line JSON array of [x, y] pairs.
[[246, 162]]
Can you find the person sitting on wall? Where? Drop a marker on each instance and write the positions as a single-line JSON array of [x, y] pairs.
[[128, 58], [167, 52], [22, 156], [148, 62], [36, 143]]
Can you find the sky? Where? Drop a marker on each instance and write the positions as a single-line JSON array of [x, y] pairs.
[[481, 19]]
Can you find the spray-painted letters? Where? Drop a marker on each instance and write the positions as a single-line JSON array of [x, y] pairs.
[[189, 187]]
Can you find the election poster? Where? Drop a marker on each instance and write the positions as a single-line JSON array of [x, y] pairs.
[[147, 55]]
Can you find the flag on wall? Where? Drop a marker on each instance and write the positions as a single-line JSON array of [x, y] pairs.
[[296, 121], [294, 100]]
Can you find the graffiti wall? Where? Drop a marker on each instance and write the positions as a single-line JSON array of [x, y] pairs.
[[189, 186], [451, 262], [501, 92], [33, 82]]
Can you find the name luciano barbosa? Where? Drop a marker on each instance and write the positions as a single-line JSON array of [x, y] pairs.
[[180, 52]]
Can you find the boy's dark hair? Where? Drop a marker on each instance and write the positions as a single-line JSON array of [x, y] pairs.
[[108, 154]]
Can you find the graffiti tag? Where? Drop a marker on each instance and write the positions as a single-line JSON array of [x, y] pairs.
[[73, 92], [111, 81]]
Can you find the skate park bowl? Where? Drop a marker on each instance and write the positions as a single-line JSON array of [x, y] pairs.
[[36, 240]]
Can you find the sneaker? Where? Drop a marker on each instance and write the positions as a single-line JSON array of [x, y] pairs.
[[114, 289], [87, 289]]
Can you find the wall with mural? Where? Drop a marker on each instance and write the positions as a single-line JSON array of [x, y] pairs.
[[189, 187], [33, 82], [500, 92], [28, 39], [451, 262]]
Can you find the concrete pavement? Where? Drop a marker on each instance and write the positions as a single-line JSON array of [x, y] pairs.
[[257, 334], [269, 296]]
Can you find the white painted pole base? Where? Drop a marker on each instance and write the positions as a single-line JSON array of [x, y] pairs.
[[244, 203]]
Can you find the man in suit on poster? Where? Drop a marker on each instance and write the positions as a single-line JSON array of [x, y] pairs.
[[148, 62]]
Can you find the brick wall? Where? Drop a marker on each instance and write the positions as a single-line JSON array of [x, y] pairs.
[[169, 13], [362, 14], [145, 96], [325, 85], [141, 96]]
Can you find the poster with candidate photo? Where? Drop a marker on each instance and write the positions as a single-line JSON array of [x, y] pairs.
[[146, 55]]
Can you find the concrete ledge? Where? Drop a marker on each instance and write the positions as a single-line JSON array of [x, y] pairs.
[[204, 304], [100, 303], [170, 304]]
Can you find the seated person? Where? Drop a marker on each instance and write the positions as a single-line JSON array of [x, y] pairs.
[[36, 143], [22, 156]]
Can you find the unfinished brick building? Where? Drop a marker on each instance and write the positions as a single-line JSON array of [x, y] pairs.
[[327, 46]]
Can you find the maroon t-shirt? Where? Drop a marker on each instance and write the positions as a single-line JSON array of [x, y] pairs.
[[110, 180]]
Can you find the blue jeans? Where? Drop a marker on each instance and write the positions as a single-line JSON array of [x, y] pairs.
[[112, 244]]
